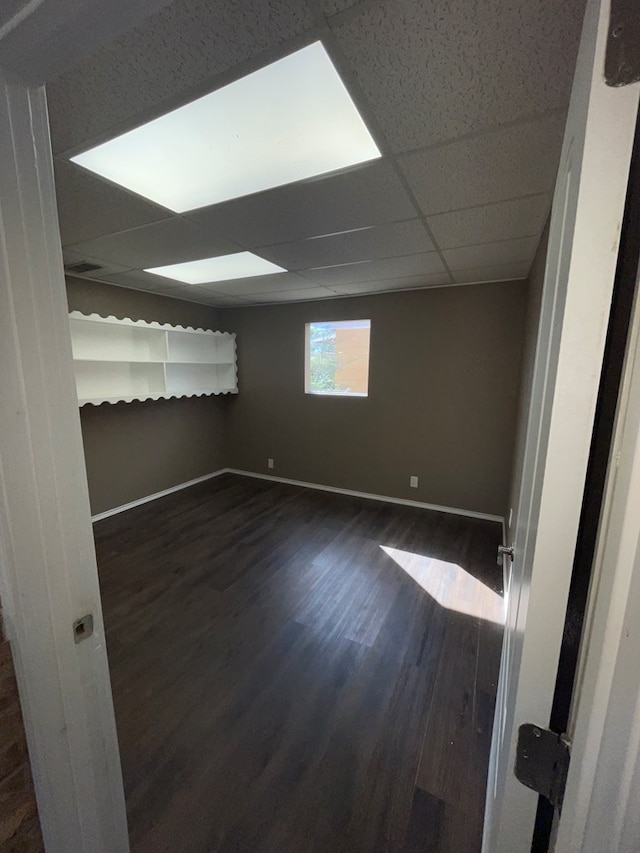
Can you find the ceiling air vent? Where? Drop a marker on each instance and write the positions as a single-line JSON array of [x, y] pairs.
[[82, 266]]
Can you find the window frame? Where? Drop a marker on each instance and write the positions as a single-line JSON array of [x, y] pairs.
[[307, 358]]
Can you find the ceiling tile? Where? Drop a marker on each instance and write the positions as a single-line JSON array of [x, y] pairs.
[[211, 299], [168, 242], [500, 272], [43, 41], [257, 284], [437, 69], [522, 217], [185, 292], [292, 295], [121, 280], [10, 10], [492, 254], [334, 7], [426, 70], [166, 61], [198, 299], [410, 265], [69, 258], [367, 195], [140, 280], [408, 283], [383, 241], [220, 300], [89, 207], [504, 164]]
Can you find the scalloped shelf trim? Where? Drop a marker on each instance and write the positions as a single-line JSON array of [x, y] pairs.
[[144, 324], [125, 395], [141, 398]]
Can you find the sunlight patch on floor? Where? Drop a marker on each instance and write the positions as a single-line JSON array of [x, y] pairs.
[[450, 585]]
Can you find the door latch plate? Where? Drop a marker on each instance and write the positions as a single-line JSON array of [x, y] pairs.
[[83, 628], [505, 551], [542, 762]]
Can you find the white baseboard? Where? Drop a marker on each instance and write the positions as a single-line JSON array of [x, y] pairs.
[[153, 497], [318, 486], [384, 498]]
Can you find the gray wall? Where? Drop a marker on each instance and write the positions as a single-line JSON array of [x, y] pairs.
[[530, 337], [443, 400], [135, 449], [443, 396]]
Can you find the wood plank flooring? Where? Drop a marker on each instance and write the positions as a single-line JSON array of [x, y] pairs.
[[297, 671]]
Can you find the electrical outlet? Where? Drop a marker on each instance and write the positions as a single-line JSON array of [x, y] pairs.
[[269, 463], [413, 482]]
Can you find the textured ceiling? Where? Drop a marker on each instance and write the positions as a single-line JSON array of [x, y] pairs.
[[41, 40], [466, 100]]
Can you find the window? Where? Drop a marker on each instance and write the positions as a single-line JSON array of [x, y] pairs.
[[337, 358]]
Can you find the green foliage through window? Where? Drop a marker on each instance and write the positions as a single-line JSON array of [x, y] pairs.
[[338, 357]]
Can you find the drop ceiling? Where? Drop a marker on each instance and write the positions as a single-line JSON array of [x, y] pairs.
[[466, 100]]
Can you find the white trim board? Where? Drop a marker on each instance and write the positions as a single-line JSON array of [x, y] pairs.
[[367, 496], [48, 573], [321, 488], [133, 504]]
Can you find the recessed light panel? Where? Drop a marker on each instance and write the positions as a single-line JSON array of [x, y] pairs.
[[222, 268], [291, 120]]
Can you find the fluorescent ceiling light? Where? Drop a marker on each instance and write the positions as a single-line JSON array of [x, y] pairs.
[[288, 121], [222, 268]]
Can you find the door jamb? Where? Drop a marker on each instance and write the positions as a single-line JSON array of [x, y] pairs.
[[48, 573], [603, 786]]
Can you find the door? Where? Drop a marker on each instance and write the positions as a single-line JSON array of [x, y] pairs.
[[48, 574], [600, 810], [587, 211]]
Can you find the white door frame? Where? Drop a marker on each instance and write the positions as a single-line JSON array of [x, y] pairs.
[[583, 243], [48, 573], [603, 787]]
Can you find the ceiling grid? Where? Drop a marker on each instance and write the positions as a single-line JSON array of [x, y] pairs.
[[465, 99]]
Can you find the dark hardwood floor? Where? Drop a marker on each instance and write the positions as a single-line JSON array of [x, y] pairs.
[[284, 682]]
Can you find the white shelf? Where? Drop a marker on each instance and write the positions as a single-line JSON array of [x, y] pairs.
[[124, 360], [185, 347], [105, 341], [181, 377]]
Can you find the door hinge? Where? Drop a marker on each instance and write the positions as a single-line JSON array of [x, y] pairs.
[[622, 59], [542, 761]]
